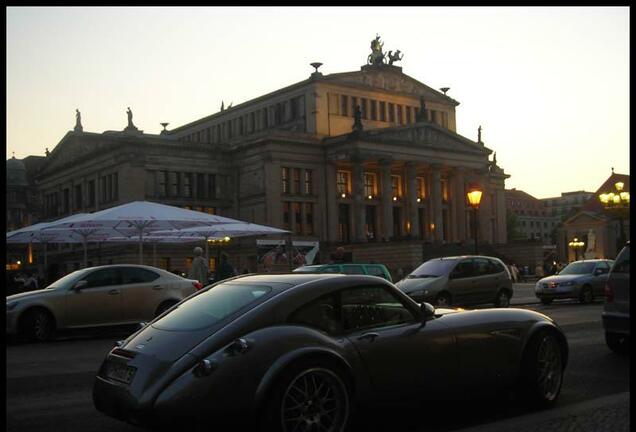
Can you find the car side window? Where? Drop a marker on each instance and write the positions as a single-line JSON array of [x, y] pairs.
[[352, 269], [331, 269], [603, 266], [621, 265], [482, 267], [319, 314], [376, 271], [496, 266], [371, 307], [132, 275], [463, 269], [104, 277]]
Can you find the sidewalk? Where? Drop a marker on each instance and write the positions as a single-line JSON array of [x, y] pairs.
[[604, 414]]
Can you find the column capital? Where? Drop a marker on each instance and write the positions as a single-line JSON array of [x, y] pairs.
[[436, 167], [385, 161]]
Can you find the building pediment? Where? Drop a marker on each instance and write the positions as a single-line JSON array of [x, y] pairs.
[[420, 135], [391, 79], [71, 148], [583, 218]]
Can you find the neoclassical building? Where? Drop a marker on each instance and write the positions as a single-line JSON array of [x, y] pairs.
[[367, 159]]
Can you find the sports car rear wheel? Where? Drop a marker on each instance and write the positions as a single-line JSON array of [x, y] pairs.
[[309, 397], [542, 370]]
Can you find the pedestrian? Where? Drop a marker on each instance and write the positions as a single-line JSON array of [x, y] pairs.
[[225, 269], [31, 282], [199, 270], [339, 256], [538, 270]]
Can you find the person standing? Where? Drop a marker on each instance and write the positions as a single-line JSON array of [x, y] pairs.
[[31, 282], [225, 270], [199, 270]]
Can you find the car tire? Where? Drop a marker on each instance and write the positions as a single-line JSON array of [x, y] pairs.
[[290, 405], [503, 299], [38, 325], [443, 299], [617, 342], [586, 296], [164, 307], [546, 301], [542, 369]]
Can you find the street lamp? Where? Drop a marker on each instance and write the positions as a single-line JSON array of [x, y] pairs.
[[618, 204], [474, 198], [576, 245]]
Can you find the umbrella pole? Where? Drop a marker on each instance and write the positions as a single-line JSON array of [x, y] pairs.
[[290, 253], [154, 254], [46, 267], [207, 251], [141, 248], [85, 254]]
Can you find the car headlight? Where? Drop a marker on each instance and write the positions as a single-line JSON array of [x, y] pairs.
[[11, 306], [567, 283]]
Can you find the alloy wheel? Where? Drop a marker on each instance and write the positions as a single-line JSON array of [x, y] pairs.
[[316, 400], [549, 368], [42, 326], [503, 300], [586, 295], [443, 300]]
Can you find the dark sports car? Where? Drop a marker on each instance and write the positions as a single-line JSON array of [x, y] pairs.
[[297, 352]]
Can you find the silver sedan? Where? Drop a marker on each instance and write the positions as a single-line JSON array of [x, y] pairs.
[[95, 297], [581, 280]]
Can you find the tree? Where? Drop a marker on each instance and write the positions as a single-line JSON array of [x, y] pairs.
[[512, 227]]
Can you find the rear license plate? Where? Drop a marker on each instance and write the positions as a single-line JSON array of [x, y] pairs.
[[119, 372]]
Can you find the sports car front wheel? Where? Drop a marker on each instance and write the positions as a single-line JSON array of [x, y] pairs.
[[309, 397], [542, 369]]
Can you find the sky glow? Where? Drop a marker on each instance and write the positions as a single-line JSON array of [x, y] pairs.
[[548, 85]]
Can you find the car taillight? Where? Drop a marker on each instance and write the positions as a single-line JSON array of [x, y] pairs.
[[609, 292], [197, 285]]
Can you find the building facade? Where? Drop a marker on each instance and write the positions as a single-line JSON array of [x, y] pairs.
[[363, 157], [533, 220], [598, 228]]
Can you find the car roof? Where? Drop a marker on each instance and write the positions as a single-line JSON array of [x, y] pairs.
[[348, 263], [463, 257], [126, 265], [288, 278], [595, 260]]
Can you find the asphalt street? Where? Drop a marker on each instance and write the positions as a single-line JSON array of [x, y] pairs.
[[49, 385]]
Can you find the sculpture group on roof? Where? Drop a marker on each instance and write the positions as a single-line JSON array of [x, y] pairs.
[[378, 57]]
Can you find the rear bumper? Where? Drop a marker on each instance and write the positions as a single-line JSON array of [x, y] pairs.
[[116, 401], [614, 322]]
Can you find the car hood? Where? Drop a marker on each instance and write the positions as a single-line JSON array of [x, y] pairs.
[[561, 278], [414, 284], [29, 294]]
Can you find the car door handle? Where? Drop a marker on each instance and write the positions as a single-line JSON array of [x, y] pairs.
[[370, 336], [157, 287], [113, 292]]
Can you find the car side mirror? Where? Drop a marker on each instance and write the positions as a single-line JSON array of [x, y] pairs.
[[428, 312], [79, 285], [598, 272]]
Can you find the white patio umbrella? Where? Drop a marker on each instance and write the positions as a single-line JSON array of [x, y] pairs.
[[139, 219], [239, 229], [36, 234]]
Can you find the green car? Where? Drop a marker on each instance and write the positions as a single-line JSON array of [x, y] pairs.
[[363, 269]]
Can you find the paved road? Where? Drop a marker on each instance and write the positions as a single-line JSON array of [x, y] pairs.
[[49, 385]]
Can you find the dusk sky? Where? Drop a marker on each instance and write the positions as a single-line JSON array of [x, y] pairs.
[[548, 85]]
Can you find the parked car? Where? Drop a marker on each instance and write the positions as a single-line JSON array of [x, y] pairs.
[[616, 308], [95, 297], [460, 280], [582, 280], [379, 270], [298, 351]]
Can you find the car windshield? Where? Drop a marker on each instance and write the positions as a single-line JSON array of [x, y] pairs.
[[433, 268], [213, 305], [68, 280], [578, 268]]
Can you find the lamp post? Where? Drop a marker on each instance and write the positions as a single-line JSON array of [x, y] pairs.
[[576, 245], [474, 198], [617, 202]]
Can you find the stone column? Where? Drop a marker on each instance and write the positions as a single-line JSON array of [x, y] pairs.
[[332, 205], [411, 182], [386, 202], [459, 203], [358, 201], [500, 200], [436, 201]]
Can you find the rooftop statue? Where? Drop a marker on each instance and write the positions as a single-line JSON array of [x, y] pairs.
[[377, 56], [395, 57], [78, 121]]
